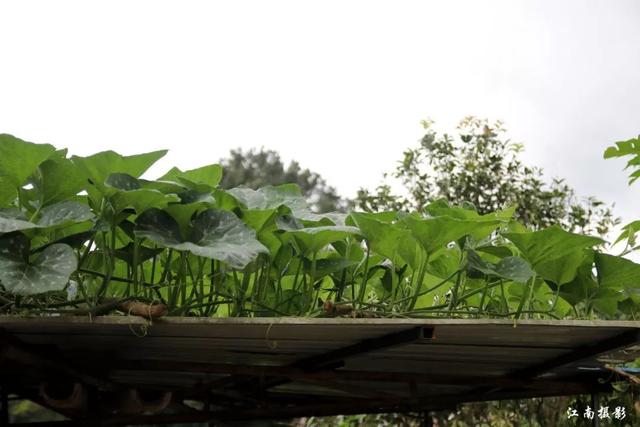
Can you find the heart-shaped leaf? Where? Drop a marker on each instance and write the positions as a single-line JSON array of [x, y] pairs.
[[57, 215], [57, 180], [514, 268], [550, 243], [98, 167], [561, 270], [327, 266], [123, 181], [128, 253], [511, 268], [201, 179], [271, 197], [383, 237], [13, 220], [215, 234], [312, 239], [15, 246], [19, 159], [434, 234], [618, 273], [125, 191], [64, 213], [49, 271], [141, 200]]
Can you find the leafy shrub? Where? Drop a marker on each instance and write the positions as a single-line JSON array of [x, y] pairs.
[[75, 231]]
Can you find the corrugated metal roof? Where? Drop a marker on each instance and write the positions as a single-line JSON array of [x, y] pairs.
[[274, 367]]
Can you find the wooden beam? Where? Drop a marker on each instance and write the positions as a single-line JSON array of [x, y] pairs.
[[321, 361], [297, 374], [622, 340], [331, 359], [625, 339]]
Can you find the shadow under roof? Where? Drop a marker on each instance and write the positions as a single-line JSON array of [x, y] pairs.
[[252, 368]]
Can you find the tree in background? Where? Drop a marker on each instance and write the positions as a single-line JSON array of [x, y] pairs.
[[255, 169], [483, 168]]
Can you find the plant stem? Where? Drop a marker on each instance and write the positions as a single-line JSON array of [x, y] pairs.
[[363, 285], [525, 296]]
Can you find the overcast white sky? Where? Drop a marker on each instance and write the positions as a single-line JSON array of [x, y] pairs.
[[340, 86]]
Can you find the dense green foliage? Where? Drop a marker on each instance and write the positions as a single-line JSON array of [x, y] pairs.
[[80, 229], [480, 166], [257, 169], [629, 148]]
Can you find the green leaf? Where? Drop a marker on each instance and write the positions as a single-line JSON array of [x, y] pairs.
[[64, 213], [49, 271], [127, 253], [514, 268], [215, 234], [126, 192], [159, 227], [629, 232], [441, 208], [544, 298], [98, 167], [550, 244], [287, 195], [623, 148], [604, 297], [444, 264], [327, 266], [165, 187], [606, 301], [618, 273], [8, 192], [311, 240], [75, 240], [630, 147], [288, 223], [122, 181], [14, 246], [13, 220], [193, 196], [583, 284], [204, 178], [384, 238], [563, 269], [221, 235], [258, 219], [270, 197], [511, 268], [57, 180], [19, 159], [434, 234], [496, 251], [141, 200], [57, 215]]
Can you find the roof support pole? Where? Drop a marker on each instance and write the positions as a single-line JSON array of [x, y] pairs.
[[426, 420], [595, 404]]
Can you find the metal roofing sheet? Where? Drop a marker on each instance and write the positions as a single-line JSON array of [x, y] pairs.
[[279, 362]]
